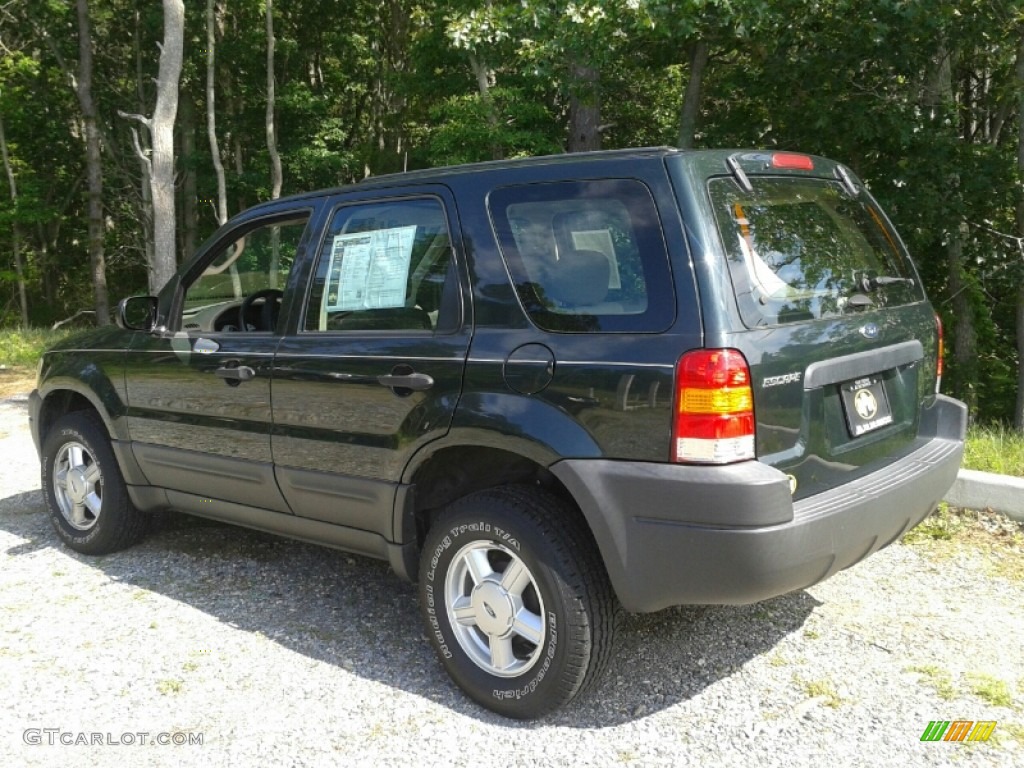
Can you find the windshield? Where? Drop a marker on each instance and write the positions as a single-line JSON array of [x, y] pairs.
[[803, 249]]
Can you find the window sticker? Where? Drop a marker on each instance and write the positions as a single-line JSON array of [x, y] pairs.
[[600, 240], [369, 270]]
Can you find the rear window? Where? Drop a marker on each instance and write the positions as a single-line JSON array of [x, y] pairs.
[[586, 256], [803, 249]]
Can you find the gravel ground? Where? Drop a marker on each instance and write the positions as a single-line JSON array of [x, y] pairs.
[[279, 653]]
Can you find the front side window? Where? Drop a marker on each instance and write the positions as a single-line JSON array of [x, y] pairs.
[[802, 249], [241, 288], [586, 256], [385, 266]]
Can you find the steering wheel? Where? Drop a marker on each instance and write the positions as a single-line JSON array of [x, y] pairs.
[[268, 312]]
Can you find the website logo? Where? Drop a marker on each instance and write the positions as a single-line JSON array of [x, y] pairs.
[[958, 730]]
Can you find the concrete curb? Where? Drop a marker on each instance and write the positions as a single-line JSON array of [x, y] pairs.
[[984, 490]]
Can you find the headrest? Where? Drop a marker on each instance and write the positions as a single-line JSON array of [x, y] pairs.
[[579, 278]]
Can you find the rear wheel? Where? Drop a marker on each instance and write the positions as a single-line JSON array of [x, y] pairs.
[[516, 601], [84, 490]]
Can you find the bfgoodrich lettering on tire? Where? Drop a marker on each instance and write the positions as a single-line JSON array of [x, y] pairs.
[[516, 601], [84, 490]]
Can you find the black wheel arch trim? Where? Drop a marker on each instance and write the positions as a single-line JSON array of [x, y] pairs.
[[107, 403]]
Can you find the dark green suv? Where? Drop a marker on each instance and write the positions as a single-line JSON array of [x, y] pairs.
[[543, 389]]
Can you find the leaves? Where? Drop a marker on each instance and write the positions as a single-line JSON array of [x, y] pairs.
[[918, 98]]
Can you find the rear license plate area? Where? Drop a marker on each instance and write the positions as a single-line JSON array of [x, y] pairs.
[[866, 405]]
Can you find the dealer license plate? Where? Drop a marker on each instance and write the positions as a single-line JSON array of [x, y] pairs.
[[866, 405]]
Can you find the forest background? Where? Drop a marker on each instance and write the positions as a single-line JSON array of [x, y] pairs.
[[130, 129]]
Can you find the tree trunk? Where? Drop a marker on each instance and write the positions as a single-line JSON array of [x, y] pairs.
[[211, 112], [690, 110], [940, 99], [162, 129], [1018, 414], [145, 169], [15, 229], [965, 338], [94, 167], [189, 193], [275, 157], [484, 81], [584, 108]]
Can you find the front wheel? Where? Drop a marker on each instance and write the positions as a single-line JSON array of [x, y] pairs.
[[84, 490], [516, 601]]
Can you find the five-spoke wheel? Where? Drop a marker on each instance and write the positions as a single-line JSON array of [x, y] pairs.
[[85, 493], [495, 608], [78, 486], [515, 599]]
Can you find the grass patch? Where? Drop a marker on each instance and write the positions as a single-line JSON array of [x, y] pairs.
[[1013, 731], [23, 348], [938, 679], [821, 689], [166, 687], [990, 689], [995, 448], [20, 351], [944, 524], [995, 538]]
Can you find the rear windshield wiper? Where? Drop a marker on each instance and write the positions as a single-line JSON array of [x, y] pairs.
[[868, 283]]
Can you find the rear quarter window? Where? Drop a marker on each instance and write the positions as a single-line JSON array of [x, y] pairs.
[[802, 249], [586, 256]]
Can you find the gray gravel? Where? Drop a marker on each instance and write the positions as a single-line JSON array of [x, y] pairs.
[[280, 653]]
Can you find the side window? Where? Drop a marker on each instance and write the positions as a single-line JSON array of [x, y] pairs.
[[586, 256], [385, 266], [241, 288]]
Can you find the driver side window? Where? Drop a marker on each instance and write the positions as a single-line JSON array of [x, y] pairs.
[[241, 288]]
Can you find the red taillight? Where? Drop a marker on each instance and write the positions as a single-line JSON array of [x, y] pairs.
[[790, 161], [714, 410], [941, 352]]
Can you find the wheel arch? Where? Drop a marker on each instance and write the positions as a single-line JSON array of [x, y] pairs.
[[458, 469], [62, 400], [65, 395]]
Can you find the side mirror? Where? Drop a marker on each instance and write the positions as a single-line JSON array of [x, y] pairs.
[[137, 313]]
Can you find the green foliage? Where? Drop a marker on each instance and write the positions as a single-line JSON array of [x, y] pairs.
[[918, 98], [995, 448], [462, 129], [24, 347]]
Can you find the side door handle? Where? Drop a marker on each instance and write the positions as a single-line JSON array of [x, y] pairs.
[[417, 382], [236, 374]]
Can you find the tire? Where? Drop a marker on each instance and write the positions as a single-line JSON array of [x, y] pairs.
[[516, 601], [84, 490]]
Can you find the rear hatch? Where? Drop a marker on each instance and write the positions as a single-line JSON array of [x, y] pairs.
[[828, 311]]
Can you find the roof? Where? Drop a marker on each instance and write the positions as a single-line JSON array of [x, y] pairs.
[[489, 165]]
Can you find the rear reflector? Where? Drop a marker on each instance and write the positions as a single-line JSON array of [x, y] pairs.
[[789, 161], [714, 414]]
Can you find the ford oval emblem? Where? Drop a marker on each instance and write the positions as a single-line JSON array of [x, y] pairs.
[[869, 331]]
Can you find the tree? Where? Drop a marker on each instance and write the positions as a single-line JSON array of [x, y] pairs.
[[160, 165], [211, 111], [275, 157], [1018, 415], [15, 228], [94, 166]]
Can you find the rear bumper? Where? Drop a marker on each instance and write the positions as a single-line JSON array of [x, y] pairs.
[[673, 535]]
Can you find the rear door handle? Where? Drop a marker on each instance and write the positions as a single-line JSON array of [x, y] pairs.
[[417, 382], [239, 373]]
